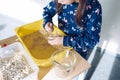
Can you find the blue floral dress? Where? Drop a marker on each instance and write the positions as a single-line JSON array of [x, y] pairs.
[[81, 39]]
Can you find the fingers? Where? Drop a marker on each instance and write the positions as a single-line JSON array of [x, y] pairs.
[[49, 27], [52, 41], [51, 38], [55, 40]]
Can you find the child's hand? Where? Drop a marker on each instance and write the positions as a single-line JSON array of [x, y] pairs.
[[58, 40], [49, 27]]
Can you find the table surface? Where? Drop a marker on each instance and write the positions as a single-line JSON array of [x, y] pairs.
[[81, 66], [10, 40]]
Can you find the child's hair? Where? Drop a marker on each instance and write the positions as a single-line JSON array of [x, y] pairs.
[[79, 12]]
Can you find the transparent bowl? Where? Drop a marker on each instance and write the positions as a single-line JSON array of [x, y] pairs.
[[63, 62]]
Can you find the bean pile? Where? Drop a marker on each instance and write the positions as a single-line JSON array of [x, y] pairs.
[[15, 68]]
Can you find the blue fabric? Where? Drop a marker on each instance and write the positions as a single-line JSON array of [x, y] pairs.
[[80, 39]]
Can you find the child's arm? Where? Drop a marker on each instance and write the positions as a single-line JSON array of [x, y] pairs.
[[91, 34], [49, 12]]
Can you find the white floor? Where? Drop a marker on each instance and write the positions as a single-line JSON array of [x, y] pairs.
[[7, 26]]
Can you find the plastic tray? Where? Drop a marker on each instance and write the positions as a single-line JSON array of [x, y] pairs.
[[35, 43], [9, 51]]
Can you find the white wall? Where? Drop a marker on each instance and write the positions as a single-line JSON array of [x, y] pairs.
[[111, 22], [24, 10]]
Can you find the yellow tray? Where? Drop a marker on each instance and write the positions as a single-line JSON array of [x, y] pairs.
[[35, 43]]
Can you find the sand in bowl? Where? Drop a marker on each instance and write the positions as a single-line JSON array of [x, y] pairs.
[[38, 45]]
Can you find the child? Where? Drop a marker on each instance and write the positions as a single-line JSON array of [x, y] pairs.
[[80, 20]]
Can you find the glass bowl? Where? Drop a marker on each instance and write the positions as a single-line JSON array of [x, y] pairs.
[[63, 61]]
